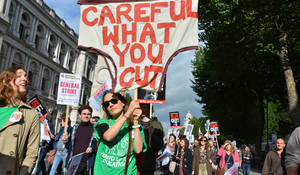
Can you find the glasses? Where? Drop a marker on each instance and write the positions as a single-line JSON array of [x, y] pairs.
[[112, 101], [204, 140]]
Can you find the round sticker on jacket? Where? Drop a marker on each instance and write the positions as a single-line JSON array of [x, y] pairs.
[[15, 117]]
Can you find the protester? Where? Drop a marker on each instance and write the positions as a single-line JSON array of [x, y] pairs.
[[81, 141], [184, 159], [273, 163], [292, 158], [45, 146], [153, 131], [169, 149], [202, 158], [59, 146], [246, 160], [228, 157], [95, 119], [119, 136], [19, 124]]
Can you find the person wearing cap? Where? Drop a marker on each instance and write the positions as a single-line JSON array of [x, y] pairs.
[[229, 156]]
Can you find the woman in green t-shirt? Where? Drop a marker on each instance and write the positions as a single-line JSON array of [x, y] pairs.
[[19, 124], [113, 136]]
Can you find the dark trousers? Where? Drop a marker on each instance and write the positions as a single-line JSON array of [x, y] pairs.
[[41, 163], [82, 168]]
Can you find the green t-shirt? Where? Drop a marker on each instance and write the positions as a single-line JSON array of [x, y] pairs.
[[111, 156], [5, 113]]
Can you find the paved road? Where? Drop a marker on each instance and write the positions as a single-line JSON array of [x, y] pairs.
[[252, 172]]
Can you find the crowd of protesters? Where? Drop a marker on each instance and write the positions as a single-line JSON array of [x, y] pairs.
[[126, 141]]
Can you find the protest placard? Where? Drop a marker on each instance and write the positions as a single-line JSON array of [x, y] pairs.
[[199, 133], [36, 103], [138, 39], [188, 129], [214, 129], [152, 97], [174, 119], [69, 89], [75, 161], [96, 99]]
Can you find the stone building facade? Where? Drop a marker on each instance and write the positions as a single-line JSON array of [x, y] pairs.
[[33, 36]]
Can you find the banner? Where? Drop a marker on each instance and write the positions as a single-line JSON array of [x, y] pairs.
[[69, 88], [174, 119], [188, 129], [138, 39], [96, 99], [145, 96], [36, 103]]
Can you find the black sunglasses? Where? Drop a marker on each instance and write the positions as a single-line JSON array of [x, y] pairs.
[[204, 140], [112, 101]]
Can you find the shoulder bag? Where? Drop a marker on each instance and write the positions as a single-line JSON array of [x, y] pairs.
[[172, 164], [221, 171]]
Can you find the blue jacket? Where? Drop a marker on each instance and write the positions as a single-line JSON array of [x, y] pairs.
[[60, 133]]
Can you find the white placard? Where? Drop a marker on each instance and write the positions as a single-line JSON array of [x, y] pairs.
[[188, 129], [69, 89]]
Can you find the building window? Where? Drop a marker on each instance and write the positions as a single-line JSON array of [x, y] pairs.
[[33, 74], [2, 54], [62, 53], [55, 86], [39, 37], [4, 6], [46, 81], [71, 61], [18, 60], [11, 12], [24, 25], [52, 45]]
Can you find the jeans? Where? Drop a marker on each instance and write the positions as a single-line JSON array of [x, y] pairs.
[[246, 168], [57, 159], [41, 163]]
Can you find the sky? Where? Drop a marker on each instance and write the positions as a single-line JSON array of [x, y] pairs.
[[179, 94]]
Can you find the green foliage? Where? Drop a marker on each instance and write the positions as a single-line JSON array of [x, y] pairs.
[[239, 67]]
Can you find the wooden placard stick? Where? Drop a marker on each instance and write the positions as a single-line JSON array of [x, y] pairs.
[[67, 120]]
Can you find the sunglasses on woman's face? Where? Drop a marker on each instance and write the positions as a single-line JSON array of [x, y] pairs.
[[112, 101], [204, 140]]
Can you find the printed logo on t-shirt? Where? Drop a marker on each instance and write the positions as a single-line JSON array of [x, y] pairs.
[[115, 156]]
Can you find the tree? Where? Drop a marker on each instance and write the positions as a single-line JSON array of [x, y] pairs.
[[246, 61]]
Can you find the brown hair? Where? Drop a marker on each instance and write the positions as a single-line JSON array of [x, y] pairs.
[[186, 146], [117, 96], [6, 90], [229, 142], [206, 143]]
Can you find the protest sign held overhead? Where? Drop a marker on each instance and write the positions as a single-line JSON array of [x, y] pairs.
[[36, 103], [174, 119], [69, 88], [96, 99], [200, 133], [146, 96], [138, 39], [188, 129], [214, 129]]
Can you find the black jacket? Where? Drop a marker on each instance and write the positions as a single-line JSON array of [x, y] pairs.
[[187, 162]]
